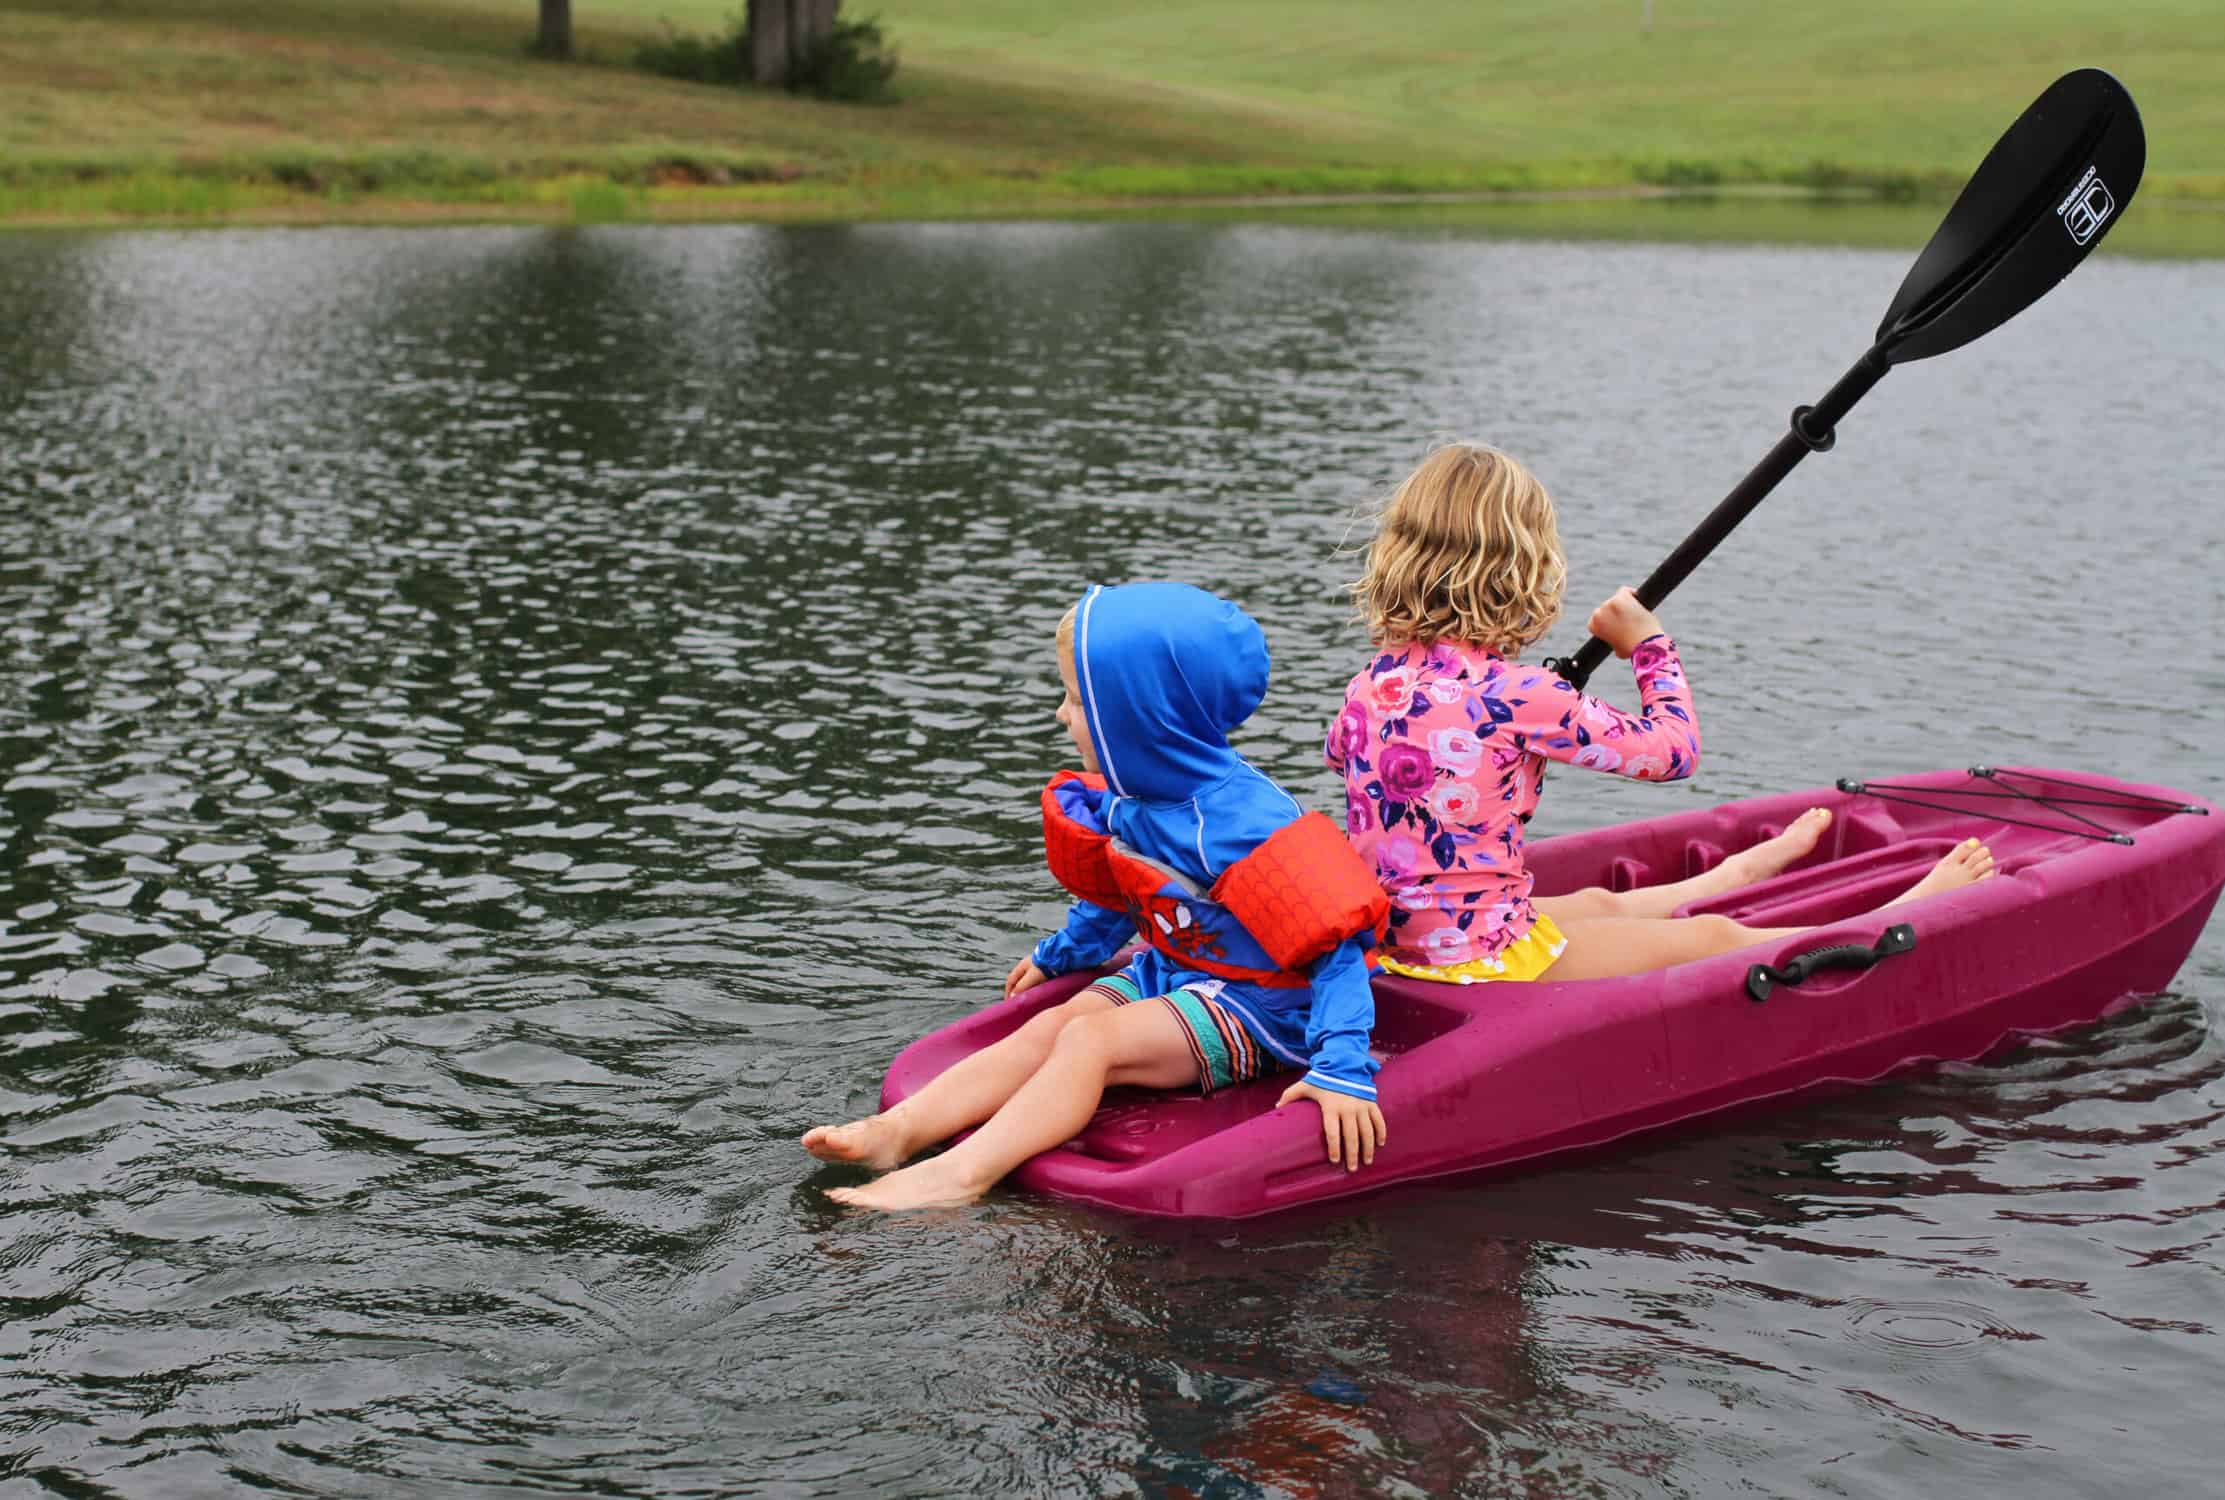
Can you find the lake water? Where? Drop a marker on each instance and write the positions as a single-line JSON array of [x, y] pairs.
[[500, 730]]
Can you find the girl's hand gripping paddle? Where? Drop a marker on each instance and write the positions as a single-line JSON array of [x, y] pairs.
[[2046, 193]]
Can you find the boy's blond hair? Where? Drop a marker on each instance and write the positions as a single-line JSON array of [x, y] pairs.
[[1065, 635], [1465, 549]]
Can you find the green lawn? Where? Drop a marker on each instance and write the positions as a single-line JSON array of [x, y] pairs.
[[312, 109]]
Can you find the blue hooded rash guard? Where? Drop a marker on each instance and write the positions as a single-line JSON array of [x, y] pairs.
[[1165, 672]]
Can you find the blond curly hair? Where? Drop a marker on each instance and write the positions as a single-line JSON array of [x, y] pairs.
[[1465, 549]]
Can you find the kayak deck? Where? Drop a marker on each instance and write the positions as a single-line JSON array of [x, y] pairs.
[[2102, 889]]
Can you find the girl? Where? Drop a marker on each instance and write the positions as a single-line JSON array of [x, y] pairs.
[[1444, 737]]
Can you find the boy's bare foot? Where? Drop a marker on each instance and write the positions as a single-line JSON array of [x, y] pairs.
[[931, 1184], [1770, 856], [877, 1141], [1966, 864]]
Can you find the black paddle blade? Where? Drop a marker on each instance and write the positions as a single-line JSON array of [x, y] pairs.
[[2046, 193]]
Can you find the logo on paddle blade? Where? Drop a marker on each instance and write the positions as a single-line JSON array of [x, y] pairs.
[[2087, 207]]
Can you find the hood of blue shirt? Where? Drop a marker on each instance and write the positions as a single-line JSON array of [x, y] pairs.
[[1166, 671]]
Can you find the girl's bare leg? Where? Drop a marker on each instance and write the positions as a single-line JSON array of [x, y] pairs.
[[1141, 1044], [966, 1093], [1609, 947], [1739, 870], [1967, 863]]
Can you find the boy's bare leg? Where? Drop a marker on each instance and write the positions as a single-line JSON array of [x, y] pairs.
[[1739, 870], [1141, 1044], [966, 1093], [1609, 947]]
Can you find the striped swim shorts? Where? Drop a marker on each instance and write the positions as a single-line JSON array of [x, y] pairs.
[[1224, 1050]]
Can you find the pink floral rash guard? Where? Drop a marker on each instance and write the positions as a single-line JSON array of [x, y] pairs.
[[1443, 749]]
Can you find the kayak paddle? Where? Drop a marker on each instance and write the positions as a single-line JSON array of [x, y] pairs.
[[2044, 196]]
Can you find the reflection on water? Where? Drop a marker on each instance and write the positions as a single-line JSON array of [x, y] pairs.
[[502, 729], [2154, 226]]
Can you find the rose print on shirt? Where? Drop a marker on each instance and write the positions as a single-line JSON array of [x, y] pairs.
[[1444, 946], [1455, 802], [1392, 694], [1348, 738], [1397, 857], [1456, 750], [1407, 772]]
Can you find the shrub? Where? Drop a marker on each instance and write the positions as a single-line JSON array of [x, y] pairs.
[[1829, 176], [855, 64], [1679, 173], [601, 203], [722, 57]]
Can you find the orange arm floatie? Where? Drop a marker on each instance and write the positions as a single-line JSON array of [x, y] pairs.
[[1076, 852], [1304, 891]]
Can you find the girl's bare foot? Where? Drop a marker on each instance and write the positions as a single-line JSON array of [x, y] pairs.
[[931, 1184], [1966, 864], [1771, 856], [877, 1141]]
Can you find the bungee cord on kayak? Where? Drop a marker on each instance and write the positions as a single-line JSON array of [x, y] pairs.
[[1886, 791]]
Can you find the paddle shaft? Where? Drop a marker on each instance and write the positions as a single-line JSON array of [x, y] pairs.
[[1811, 431]]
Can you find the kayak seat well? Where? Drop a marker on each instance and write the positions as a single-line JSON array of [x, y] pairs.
[[1828, 892], [1624, 874], [1405, 1017], [1572, 862], [1702, 855]]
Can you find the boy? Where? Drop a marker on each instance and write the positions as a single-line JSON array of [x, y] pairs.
[[1253, 916]]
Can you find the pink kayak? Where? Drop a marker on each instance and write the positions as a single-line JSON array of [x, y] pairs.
[[2102, 890]]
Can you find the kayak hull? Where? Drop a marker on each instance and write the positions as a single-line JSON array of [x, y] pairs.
[[1485, 1076]]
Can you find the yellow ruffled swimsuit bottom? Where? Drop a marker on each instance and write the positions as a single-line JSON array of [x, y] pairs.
[[1528, 957]]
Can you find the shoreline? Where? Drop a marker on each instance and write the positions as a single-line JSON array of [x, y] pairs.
[[1759, 212]]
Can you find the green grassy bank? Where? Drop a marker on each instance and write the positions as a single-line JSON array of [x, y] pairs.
[[408, 110]]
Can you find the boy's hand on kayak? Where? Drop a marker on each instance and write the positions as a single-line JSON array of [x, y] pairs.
[[1622, 622], [1024, 976], [1353, 1127]]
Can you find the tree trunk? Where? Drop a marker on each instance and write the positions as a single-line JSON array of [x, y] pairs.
[[810, 24], [768, 42], [782, 33], [555, 38]]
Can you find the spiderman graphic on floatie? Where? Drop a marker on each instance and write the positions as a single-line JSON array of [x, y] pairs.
[[1170, 916]]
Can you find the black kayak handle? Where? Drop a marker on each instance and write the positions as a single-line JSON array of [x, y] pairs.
[[1763, 978]]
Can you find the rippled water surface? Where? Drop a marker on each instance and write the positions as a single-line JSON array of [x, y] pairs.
[[501, 730]]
